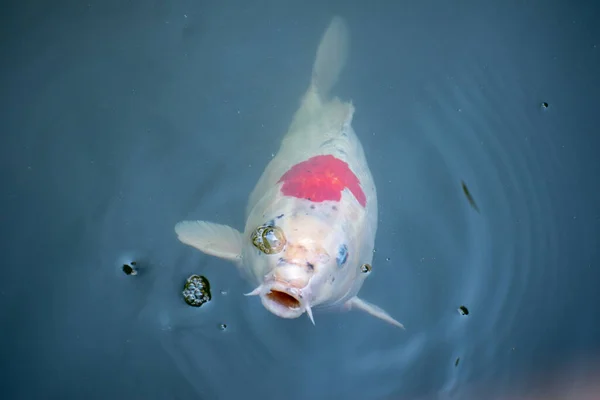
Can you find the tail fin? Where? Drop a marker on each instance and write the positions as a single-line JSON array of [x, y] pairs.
[[329, 62], [331, 56]]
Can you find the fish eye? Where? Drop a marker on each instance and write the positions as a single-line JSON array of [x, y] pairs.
[[342, 255], [365, 268], [269, 239]]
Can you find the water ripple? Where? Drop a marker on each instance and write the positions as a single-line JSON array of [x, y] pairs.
[[512, 243]]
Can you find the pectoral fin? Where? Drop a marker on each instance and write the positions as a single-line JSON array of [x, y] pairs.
[[360, 304], [213, 239]]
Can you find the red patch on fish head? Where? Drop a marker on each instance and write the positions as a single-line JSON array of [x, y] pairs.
[[321, 178]]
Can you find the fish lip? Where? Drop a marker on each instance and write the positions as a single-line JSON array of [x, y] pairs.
[[283, 299]]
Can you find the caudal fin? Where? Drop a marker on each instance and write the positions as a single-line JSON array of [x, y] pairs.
[[331, 56]]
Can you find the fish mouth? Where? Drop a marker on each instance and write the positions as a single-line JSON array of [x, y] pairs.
[[283, 300]]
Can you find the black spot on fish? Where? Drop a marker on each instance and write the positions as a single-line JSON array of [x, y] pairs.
[[334, 208], [280, 262], [271, 222], [342, 255], [279, 216], [312, 206], [310, 266]]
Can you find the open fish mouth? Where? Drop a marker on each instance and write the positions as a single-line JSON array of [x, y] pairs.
[[283, 300]]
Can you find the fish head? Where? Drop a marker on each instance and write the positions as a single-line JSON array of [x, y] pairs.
[[303, 260]]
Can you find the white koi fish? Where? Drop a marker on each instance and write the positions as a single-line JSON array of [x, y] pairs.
[[312, 217]]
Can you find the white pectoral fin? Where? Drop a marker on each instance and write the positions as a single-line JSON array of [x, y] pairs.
[[360, 304], [213, 239]]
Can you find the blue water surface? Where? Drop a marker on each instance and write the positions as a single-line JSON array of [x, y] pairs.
[[121, 118]]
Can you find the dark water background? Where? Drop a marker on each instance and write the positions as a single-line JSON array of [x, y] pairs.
[[120, 118]]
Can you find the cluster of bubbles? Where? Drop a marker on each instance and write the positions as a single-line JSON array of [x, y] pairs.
[[196, 291]]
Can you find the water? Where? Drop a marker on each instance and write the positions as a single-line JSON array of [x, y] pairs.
[[121, 120]]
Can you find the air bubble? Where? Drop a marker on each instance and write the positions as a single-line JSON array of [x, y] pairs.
[[196, 290]]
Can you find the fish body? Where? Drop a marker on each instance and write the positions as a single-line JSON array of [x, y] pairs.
[[311, 219]]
